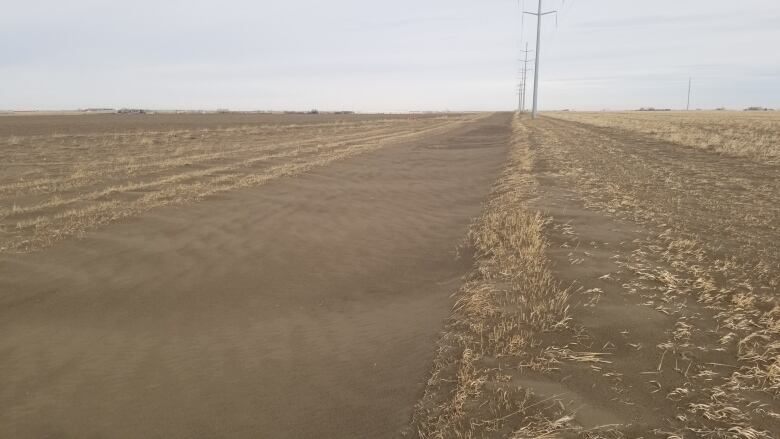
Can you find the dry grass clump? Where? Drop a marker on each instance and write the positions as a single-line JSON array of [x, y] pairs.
[[744, 134], [499, 324], [53, 187]]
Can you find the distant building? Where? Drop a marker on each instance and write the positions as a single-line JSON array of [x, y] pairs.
[[131, 111]]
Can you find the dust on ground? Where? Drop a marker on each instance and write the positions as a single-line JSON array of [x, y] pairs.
[[306, 307]]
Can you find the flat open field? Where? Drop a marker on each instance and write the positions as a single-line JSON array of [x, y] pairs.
[[625, 286], [754, 135], [31, 124], [300, 297], [55, 185], [583, 275]]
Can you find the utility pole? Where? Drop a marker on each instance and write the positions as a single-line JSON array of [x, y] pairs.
[[520, 98], [525, 71], [539, 15], [688, 105]]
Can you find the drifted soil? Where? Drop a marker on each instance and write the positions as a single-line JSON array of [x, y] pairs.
[[304, 308]]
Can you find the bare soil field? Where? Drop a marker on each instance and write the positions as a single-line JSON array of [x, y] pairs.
[[53, 186], [625, 286], [306, 307], [65, 124], [583, 275]]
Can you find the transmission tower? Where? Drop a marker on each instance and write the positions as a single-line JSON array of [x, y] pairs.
[[539, 15], [525, 62]]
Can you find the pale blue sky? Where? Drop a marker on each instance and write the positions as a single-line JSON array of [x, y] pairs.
[[384, 56]]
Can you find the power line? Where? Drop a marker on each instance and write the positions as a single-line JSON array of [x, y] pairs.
[[522, 21], [566, 9], [539, 15], [525, 61], [523, 71]]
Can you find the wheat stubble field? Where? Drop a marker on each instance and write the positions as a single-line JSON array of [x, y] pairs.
[[590, 275], [625, 285], [57, 185]]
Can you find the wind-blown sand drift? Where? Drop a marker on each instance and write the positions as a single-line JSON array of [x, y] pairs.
[[306, 307]]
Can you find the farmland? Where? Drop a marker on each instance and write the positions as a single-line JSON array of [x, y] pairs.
[[181, 276], [591, 275], [625, 286], [753, 135], [57, 185]]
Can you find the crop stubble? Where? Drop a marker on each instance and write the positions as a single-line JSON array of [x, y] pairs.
[[61, 185], [540, 340]]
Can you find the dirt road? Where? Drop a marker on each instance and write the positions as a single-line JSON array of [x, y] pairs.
[[307, 307]]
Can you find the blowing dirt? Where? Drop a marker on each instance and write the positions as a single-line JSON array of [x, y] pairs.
[[307, 307]]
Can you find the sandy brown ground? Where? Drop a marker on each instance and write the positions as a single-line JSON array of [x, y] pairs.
[[307, 307], [674, 252], [56, 186], [26, 125], [660, 269]]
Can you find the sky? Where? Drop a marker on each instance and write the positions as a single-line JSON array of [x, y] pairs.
[[402, 55]]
